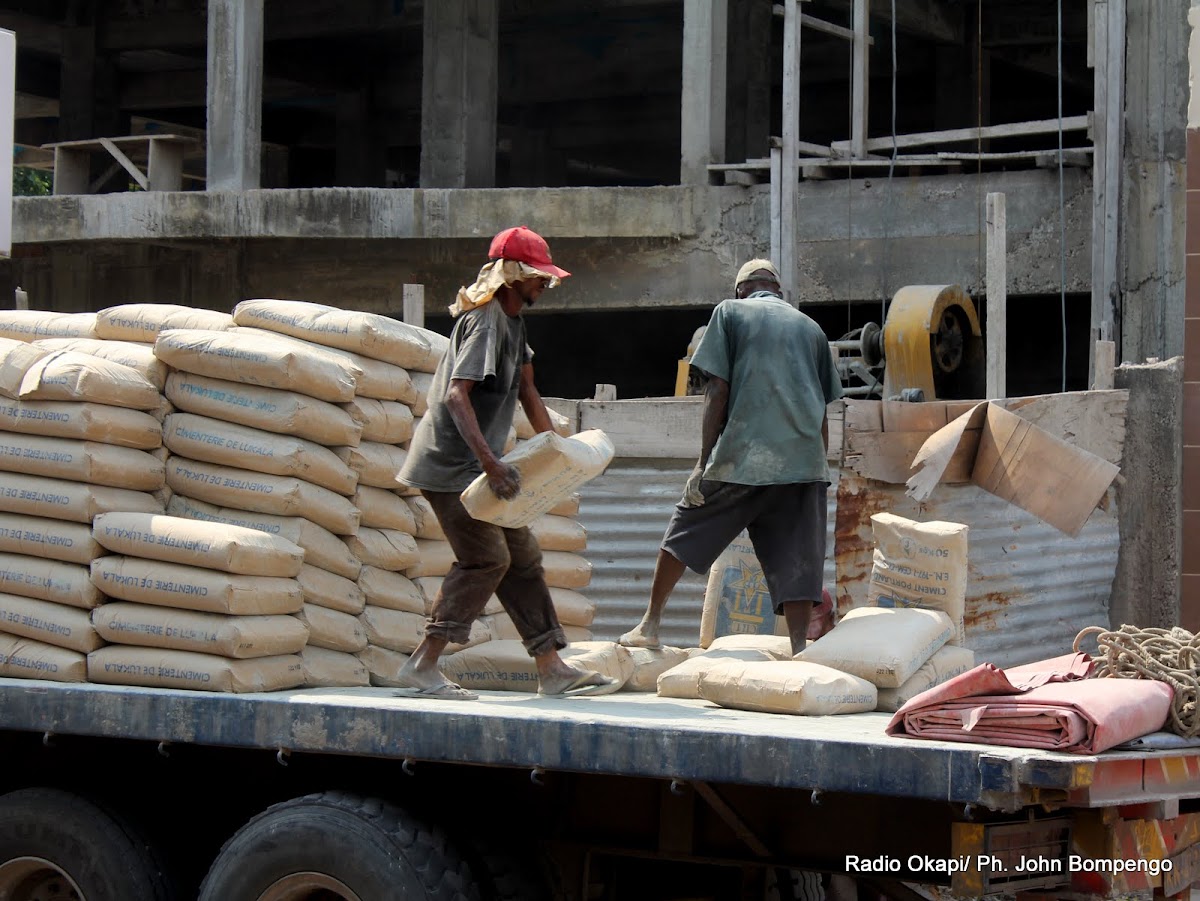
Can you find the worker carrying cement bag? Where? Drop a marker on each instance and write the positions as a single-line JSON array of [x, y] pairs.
[[487, 368], [762, 463]]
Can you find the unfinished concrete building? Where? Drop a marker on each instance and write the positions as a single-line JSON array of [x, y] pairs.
[[336, 152]]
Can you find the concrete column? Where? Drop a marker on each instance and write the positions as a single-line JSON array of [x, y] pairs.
[[702, 108], [235, 71], [458, 94], [88, 103]]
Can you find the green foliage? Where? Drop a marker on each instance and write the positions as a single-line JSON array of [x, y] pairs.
[[31, 182]]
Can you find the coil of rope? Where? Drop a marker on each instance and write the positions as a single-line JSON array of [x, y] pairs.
[[1167, 655]]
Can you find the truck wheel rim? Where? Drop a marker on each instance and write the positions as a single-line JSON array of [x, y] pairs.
[[36, 879], [308, 887]]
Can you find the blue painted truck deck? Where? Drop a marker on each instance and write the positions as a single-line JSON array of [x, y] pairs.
[[623, 734]]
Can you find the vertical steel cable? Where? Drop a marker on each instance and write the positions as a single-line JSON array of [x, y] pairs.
[[1062, 207], [887, 219]]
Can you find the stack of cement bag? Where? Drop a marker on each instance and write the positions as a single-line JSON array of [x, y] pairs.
[[74, 442], [200, 605], [30, 325]]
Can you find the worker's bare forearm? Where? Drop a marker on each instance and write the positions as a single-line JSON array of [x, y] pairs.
[[458, 401], [532, 403], [716, 409]]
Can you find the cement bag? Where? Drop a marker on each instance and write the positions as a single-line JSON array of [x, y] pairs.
[[51, 539], [213, 441], [524, 428], [368, 334], [328, 590], [501, 627], [429, 586], [569, 506], [142, 322], [649, 664], [683, 680], [194, 588], [422, 382], [557, 533], [152, 667], [572, 608], [211, 545], [333, 629], [321, 547], [269, 409], [777, 647], [920, 564], [30, 325], [254, 360], [426, 520], [396, 630], [566, 570], [384, 421], [66, 375], [885, 647], [333, 669], [736, 599], [80, 461], [87, 422], [262, 493], [377, 464], [551, 469], [56, 624], [138, 357], [74, 501], [507, 666], [381, 509], [434, 558], [16, 358], [382, 588], [241, 637], [948, 662], [48, 580], [384, 548], [22, 658], [383, 666], [786, 686]]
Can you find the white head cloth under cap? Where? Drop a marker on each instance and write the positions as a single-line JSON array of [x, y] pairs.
[[491, 277]]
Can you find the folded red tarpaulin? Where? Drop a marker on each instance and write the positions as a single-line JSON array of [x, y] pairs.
[[1051, 704]]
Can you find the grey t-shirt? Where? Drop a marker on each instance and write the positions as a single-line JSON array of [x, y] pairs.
[[488, 347]]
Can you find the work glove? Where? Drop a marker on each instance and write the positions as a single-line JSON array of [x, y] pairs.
[[692, 495]]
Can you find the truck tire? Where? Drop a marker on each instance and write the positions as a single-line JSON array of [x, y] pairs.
[[338, 845], [57, 845]]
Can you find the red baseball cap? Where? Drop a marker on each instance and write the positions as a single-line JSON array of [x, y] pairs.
[[524, 245]]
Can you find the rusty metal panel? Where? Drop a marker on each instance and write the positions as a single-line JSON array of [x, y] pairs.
[[1031, 588]]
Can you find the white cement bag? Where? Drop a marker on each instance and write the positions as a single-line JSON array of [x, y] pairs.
[[164, 409], [242, 637], [333, 629], [321, 547], [194, 588], [683, 680], [333, 669], [67, 375], [242, 447], [573, 608], [73, 501], [56, 624], [381, 509], [23, 658], [138, 357], [384, 548], [80, 461], [83, 421], [396, 630], [269, 409], [777, 647], [119, 665], [52, 539], [551, 469], [566, 570], [368, 334], [262, 493], [30, 325], [568, 507], [649, 664], [434, 558], [376, 464], [48, 580], [524, 428], [382, 588], [501, 627], [949, 661], [211, 545], [16, 358], [142, 322], [920, 564], [422, 382], [383, 665], [325, 589], [786, 686], [426, 520], [254, 360], [507, 666], [885, 647], [736, 599], [385, 421], [557, 533]]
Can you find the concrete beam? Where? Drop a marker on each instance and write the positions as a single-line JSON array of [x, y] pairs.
[[235, 60], [705, 24], [934, 20], [458, 105]]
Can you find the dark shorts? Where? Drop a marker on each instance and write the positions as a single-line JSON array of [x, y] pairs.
[[786, 525]]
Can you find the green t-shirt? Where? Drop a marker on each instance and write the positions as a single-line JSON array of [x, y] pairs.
[[781, 376]]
